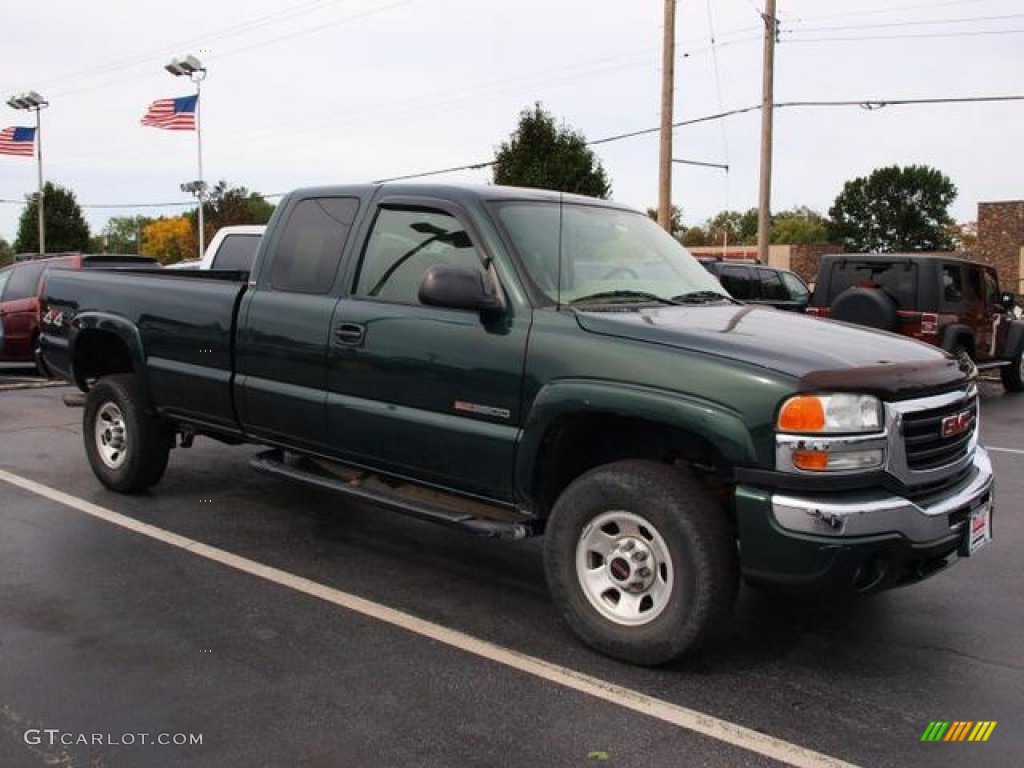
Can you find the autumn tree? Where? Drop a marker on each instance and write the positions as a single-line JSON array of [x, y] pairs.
[[894, 209], [539, 154], [169, 239], [66, 229]]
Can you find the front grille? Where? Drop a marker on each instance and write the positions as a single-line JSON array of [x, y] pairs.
[[926, 446]]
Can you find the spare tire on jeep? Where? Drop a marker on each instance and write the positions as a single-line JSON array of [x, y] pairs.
[[870, 307]]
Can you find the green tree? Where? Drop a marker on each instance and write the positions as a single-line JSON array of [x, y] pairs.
[[121, 234], [732, 227], [541, 155], [226, 206], [894, 209], [66, 229], [695, 236], [6, 253], [675, 220], [799, 225]]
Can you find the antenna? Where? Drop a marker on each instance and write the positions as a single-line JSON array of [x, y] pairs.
[[558, 279]]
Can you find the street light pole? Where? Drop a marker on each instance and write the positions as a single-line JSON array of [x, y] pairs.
[[191, 67], [33, 102]]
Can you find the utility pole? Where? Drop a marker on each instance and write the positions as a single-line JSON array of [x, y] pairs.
[[764, 207], [668, 59]]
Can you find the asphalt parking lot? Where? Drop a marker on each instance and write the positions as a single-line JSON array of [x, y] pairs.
[[248, 622]]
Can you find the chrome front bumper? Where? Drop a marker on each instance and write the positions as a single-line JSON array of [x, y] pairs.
[[866, 513]]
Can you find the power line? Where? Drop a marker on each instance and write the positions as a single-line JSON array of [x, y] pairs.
[[920, 23], [859, 38], [869, 104]]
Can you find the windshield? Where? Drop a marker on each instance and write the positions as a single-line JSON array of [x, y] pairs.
[[608, 256]]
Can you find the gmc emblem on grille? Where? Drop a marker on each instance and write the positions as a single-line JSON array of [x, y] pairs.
[[957, 424]]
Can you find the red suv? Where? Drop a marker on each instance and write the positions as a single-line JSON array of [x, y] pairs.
[[939, 298], [20, 284]]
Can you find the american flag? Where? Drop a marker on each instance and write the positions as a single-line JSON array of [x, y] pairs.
[[172, 114], [18, 141]]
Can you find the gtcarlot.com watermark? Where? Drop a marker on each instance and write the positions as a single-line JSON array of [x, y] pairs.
[[54, 737]]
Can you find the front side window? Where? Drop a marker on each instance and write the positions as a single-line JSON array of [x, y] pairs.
[[797, 290], [771, 285], [589, 254], [5, 275], [404, 245], [952, 283]]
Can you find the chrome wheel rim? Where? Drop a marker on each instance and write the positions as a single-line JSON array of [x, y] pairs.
[[624, 568], [111, 436]]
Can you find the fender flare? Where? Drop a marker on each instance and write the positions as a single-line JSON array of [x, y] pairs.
[[123, 330], [1014, 339], [721, 426]]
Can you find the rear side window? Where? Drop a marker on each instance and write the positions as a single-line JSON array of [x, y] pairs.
[[237, 252], [24, 281], [5, 275], [307, 256], [897, 278], [738, 281]]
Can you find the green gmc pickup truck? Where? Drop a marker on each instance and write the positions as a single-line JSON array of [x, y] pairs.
[[517, 362]]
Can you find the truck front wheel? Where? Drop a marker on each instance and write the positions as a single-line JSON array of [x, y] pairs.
[[1013, 374], [127, 447], [640, 560]]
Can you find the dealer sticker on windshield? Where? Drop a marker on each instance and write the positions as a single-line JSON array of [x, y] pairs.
[[979, 530]]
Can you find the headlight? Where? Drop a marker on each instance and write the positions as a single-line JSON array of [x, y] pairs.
[[838, 432], [839, 413]]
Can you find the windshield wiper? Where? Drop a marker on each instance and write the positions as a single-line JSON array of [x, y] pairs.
[[635, 295], [701, 297]]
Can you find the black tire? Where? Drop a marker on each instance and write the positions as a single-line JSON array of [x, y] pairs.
[[870, 307], [1012, 374], [626, 508], [126, 445]]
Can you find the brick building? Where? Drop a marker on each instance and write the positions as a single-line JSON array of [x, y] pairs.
[[1001, 241]]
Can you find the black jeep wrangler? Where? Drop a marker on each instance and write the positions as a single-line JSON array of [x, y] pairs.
[[939, 298]]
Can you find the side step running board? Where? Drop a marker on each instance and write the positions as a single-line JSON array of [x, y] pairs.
[[401, 498]]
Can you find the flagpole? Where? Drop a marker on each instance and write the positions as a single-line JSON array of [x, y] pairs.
[[33, 102], [198, 78], [39, 168]]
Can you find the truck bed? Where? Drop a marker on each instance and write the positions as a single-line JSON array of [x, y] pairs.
[[185, 322]]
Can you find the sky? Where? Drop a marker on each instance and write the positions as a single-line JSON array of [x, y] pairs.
[[310, 92]]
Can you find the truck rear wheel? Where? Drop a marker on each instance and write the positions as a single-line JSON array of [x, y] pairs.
[[640, 561], [127, 447]]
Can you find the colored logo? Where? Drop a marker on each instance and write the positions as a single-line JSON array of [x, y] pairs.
[[958, 730], [957, 424]]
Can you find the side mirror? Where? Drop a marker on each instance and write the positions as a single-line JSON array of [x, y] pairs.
[[458, 288]]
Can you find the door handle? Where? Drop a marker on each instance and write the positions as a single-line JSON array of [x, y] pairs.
[[350, 334]]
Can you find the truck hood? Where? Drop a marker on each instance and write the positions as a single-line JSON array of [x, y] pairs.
[[821, 354]]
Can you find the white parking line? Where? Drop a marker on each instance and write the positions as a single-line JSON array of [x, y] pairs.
[[1003, 450], [692, 720]]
